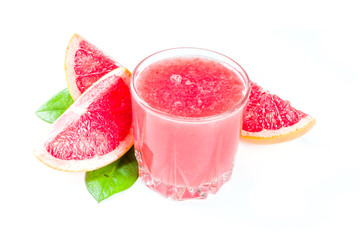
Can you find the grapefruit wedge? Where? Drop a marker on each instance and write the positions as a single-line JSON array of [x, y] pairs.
[[95, 130], [85, 64], [270, 119]]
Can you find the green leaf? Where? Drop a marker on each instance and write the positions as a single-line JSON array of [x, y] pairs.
[[52, 109], [113, 178]]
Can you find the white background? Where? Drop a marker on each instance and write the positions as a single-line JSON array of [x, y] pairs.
[[305, 51]]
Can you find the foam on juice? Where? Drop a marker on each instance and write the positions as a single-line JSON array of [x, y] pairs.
[[190, 87]]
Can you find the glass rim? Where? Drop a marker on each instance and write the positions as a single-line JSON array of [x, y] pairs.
[[237, 106]]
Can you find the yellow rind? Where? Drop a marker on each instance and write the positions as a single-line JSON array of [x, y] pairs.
[[72, 94], [79, 170], [280, 138]]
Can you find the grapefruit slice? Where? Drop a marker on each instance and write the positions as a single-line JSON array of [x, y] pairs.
[[269, 119], [84, 65], [95, 130]]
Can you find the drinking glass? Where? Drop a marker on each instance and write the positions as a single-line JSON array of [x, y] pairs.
[[186, 157]]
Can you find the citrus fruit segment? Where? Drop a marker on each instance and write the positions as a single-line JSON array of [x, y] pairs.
[[85, 64], [270, 119], [95, 130]]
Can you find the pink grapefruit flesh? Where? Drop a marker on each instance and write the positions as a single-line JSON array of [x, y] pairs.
[[95, 131], [85, 64], [270, 119]]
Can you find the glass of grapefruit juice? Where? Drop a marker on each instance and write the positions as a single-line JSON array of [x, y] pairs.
[[187, 111]]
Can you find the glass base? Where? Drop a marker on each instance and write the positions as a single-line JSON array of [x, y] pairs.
[[182, 192]]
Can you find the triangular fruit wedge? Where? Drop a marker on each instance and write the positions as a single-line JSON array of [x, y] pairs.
[[85, 64], [269, 119], [95, 130]]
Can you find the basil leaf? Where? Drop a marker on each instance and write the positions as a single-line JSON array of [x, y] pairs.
[[52, 109], [113, 178]]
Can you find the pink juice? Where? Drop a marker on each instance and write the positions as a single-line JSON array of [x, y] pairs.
[[187, 120]]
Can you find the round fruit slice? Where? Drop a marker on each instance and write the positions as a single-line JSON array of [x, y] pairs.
[[95, 130], [269, 119], [84, 65]]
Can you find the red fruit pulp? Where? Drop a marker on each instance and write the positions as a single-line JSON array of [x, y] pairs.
[[90, 65], [101, 127], [268, 111]]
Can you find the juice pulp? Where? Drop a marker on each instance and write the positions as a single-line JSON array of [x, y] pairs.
[[183, 153], [190, 87]]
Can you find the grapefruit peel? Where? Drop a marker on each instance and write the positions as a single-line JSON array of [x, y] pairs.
[[73, 113], [285, 134]]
